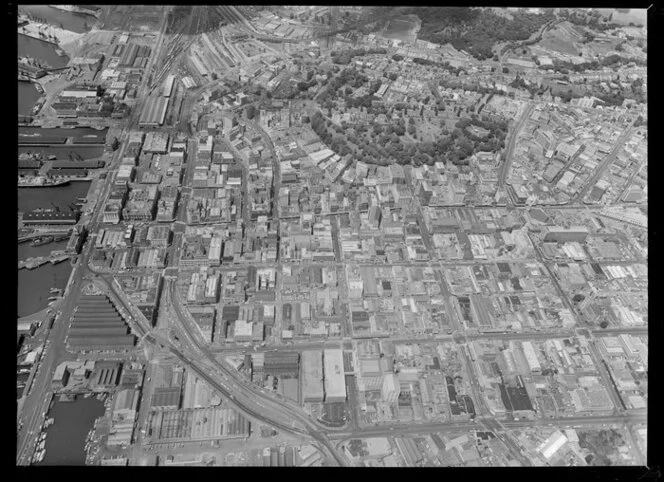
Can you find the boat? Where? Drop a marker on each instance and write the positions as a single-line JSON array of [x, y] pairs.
[[41, 444], [41, 241], [55, 290], [53, 298], [40, 181], [52, 157], [42, 437]]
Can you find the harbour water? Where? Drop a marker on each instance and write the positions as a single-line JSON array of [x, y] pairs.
[[62, 152], [65, 440], [26, 250], [34, 286], [27, 97], [40, 50], [46, 197], [75, 132], [75, 22], [43, 52]]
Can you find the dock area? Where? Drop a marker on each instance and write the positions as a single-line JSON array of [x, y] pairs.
[[62, 36]]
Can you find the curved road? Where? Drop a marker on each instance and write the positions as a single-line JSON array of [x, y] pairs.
[[247, 394]]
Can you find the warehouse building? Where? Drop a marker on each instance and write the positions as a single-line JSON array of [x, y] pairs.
[[168, 86], [154, 112], [531, 357], [36, 218], [335, 381], [284, 364], [312, 376], [96, 325]]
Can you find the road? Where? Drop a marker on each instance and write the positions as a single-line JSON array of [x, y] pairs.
[[451, 427], [246, 393], [608, 160], [321, 345], [509, 151], [35, 404]]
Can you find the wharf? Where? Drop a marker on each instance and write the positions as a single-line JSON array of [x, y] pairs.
[[40, 316], [57, 232], [62, 36], [32, 263]]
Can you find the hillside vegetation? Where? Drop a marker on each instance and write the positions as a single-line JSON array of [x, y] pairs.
[[476, 30]]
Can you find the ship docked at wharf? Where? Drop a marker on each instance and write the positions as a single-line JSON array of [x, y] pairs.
[[41, 181]]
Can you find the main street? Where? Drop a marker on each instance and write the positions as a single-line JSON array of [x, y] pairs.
[[509, 151], [437, 339], [606, 162], [393, 430]]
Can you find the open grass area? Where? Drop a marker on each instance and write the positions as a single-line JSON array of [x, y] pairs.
[[401, 28], [556, 40]]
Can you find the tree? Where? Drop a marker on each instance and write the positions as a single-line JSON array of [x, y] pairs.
[[115, 144], [412, 130], [250, 111], [506, 70]]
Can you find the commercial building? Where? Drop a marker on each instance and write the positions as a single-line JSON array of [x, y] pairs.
[[565, 235], [531, 357], [391, 388], [156, 143], [159, 235], [243, 331], [312, 376], [111, 213], [553, 444], [335, 382]]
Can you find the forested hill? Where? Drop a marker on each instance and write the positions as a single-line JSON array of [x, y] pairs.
[[476, 30]]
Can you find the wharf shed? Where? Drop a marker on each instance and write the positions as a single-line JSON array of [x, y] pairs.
[[96, 325]]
